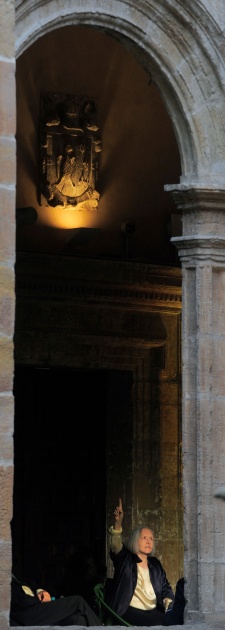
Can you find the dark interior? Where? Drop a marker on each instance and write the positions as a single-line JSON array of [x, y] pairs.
[[59, 520], [97, 331]]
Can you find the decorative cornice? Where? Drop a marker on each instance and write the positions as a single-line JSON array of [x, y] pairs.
[[159, 297], [203, 225], [189, 197], [208, 249], [117, 284]]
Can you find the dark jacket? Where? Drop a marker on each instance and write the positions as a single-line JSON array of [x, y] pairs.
[[125, 579], [19, 599]]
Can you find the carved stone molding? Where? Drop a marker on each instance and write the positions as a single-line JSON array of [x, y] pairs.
[[92, 312], [191, 197], [116, 284], [206, 249], [203, 221]]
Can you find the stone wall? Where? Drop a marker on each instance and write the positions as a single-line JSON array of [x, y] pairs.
[[7, 297]]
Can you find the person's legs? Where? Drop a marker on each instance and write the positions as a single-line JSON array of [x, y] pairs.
[[66, 611], [175, 616], [137, 617]]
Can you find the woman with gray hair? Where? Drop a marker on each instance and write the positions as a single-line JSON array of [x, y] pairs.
[[140, 592]]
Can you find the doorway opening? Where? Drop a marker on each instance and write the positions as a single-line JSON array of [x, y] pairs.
[[59, 501]]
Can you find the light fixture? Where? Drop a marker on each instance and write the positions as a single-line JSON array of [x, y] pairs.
[[126, 229]]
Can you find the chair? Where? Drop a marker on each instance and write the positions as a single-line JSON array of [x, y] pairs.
[[108, 616]]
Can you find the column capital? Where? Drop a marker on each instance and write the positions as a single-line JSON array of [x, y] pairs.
[[193, 250], [203, 224], [197, 197]]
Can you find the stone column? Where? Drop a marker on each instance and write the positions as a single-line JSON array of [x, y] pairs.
[[202, 252], [7, 295]]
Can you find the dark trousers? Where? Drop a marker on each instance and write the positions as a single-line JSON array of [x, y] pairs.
[[175, 616], [136, 617], [66, 611], [156, 617]]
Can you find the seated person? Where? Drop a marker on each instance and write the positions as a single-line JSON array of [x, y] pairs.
[[33, 606], [140, 591]]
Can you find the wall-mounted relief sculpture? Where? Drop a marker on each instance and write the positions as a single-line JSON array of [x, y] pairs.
[[70, 148]]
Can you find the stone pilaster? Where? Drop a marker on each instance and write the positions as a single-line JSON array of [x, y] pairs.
[[7, 295], [202, 252]]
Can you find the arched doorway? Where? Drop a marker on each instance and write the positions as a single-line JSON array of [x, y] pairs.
[[137, 139], [208, 163]]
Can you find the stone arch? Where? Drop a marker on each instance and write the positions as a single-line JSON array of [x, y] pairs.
[[182, 46], [172, 42]]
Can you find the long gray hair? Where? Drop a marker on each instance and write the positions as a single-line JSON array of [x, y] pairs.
[[133, 540]]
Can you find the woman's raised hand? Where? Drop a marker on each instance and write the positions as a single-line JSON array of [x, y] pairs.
[[118, 513]]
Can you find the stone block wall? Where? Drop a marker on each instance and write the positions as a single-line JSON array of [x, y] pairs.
[[7, 296]]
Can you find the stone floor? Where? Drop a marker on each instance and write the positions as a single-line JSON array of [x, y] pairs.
[[196, 626]]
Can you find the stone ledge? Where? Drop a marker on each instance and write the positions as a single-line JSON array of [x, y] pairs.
[[211, 626]]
